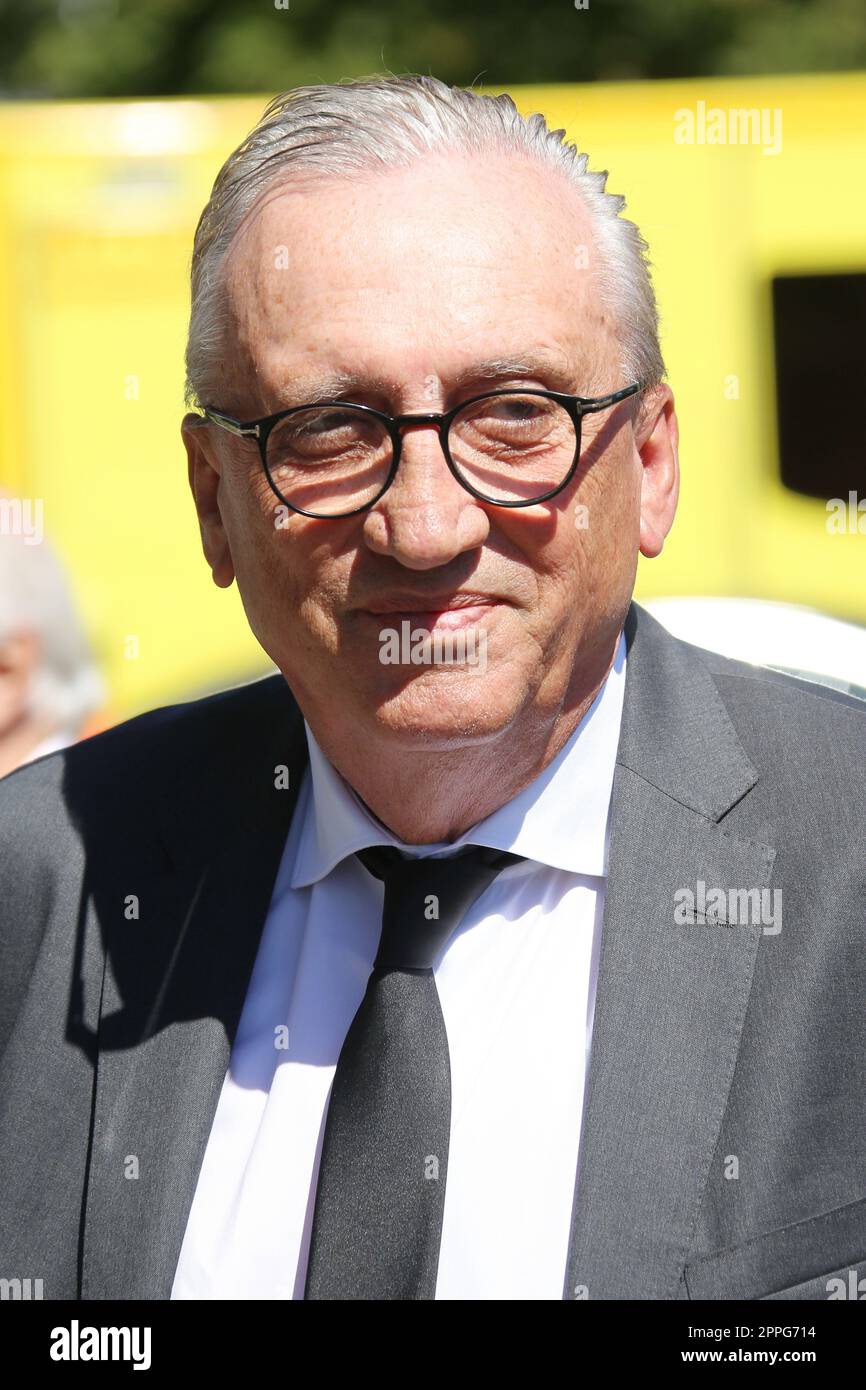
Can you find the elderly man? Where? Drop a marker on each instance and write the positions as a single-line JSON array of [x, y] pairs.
[[501, 946]]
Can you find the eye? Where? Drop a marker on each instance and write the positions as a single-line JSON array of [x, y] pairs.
[[520, 417], [514, 408], [330, 422], [326, 433]]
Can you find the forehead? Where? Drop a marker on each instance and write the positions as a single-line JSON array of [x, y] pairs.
[[418, 271]]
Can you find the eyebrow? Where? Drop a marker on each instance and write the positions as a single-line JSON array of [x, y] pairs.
[[530, 365]]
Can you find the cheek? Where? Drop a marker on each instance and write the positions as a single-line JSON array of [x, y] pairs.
[[260, 548], [589, 554], [292, 589], [611, 496], [551, 554]]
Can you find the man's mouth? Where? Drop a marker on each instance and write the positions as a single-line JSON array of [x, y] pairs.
[[428, 613]]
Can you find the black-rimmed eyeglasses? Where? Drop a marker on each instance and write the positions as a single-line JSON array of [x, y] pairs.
[[511, 448]]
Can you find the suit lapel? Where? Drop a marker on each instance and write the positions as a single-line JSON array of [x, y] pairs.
[[174, 986], [671, 999]]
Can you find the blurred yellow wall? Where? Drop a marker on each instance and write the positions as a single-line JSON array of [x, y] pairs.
[[98, 205]]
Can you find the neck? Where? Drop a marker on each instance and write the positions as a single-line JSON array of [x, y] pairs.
[[419, 799]]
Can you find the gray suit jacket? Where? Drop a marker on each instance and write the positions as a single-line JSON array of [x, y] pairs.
[[723, 1152]]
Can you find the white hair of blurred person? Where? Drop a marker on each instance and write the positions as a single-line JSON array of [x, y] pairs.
[[49, 682]]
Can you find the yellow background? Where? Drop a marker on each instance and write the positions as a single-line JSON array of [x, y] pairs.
[[98, 206]]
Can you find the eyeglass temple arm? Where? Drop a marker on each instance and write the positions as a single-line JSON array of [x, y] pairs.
[[602, 402], [233, 426]]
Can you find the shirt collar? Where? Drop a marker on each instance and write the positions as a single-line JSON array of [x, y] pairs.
[[559, 819]]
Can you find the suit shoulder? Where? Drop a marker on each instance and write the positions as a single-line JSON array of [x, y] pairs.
[[768, 687], [138, 752], [810, 734]]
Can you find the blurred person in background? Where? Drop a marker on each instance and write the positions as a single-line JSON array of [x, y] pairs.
[[50, 688]]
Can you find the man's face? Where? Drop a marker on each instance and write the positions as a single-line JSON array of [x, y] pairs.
[[410, 281]]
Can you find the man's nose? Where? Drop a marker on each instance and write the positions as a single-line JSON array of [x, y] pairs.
[[426, 517]]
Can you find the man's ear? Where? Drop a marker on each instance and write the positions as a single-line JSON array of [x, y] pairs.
[[204, 472], [657, 444]]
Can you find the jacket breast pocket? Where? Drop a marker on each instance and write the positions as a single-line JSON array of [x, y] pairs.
[[823, 1257]]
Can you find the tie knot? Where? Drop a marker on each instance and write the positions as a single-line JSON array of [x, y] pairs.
[[427, 898]]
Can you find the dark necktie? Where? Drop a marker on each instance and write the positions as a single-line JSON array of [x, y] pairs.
[[380, 1198]]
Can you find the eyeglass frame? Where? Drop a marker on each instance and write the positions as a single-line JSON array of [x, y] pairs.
[[575, 406]]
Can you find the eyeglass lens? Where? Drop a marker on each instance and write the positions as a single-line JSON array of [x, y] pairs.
[[331, 460]]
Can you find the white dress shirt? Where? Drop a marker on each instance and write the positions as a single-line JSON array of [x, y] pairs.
[[516, 983]]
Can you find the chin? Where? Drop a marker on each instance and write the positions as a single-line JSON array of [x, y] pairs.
[[446, 709]]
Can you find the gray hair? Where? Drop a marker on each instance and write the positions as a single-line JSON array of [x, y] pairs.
[[379, 123], [35, 597]]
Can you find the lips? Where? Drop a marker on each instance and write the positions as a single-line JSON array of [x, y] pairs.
[[446, 612]]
